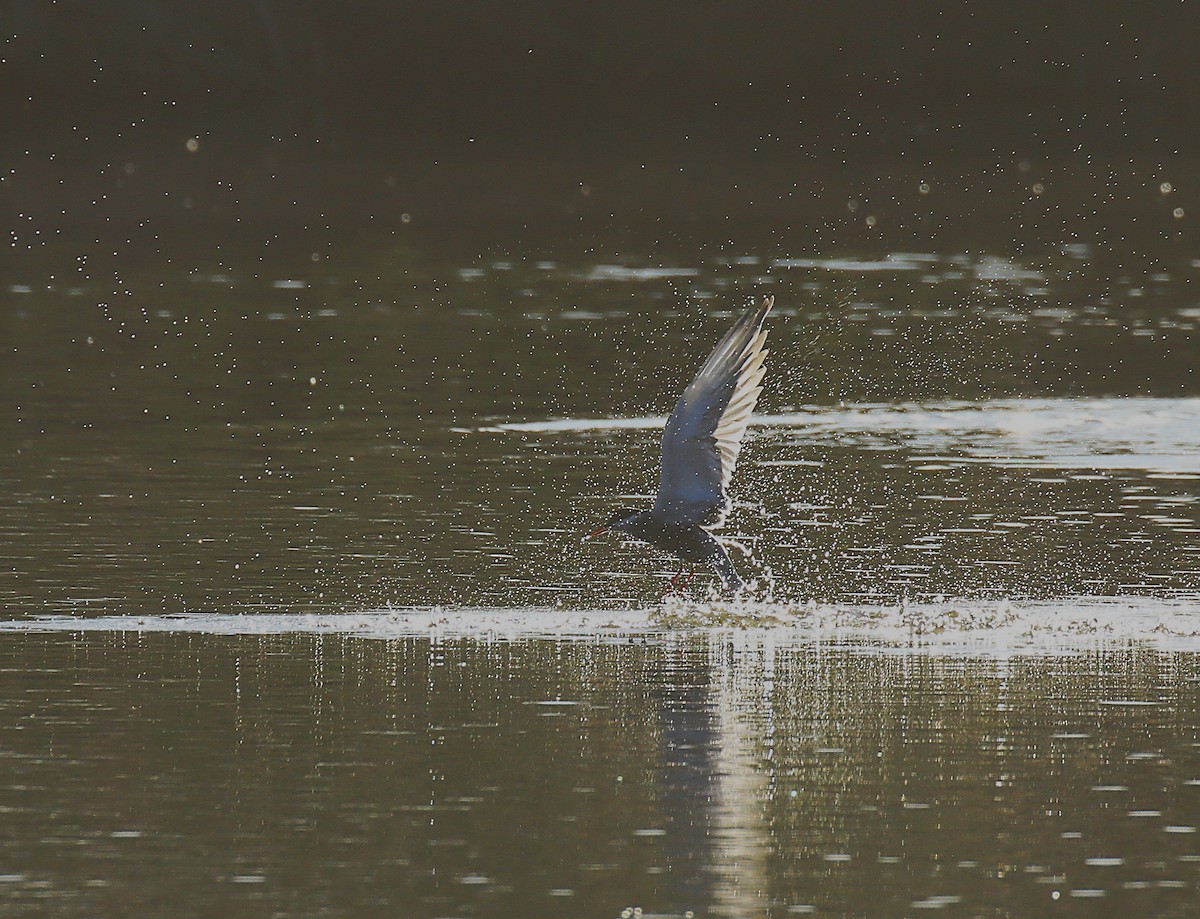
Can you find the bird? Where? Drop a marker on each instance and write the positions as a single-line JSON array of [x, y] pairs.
[[700, 446]]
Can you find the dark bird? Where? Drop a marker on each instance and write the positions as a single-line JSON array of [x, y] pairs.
[[700, 448]]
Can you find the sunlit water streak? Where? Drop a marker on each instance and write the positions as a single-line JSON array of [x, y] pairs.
[[950, 627], [1154, 435]]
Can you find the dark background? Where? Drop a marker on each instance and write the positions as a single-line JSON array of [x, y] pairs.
[[318, 127]]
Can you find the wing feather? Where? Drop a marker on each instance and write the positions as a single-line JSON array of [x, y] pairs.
[[704, 434]]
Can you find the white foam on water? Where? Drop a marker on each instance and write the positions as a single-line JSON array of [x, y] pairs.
[[983, 628]]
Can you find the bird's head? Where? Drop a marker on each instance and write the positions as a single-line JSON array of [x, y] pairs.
[[620, 520]]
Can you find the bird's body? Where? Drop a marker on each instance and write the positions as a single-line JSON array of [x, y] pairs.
[[690, 543], [700, 448]]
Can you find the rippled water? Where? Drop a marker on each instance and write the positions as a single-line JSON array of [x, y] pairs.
[[400, 433], [297, 620], [746, 774]]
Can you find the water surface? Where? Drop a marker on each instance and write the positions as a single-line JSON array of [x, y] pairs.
[[739, 774], [418, 432], [297, 620]]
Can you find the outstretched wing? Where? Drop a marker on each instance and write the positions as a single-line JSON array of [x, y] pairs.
[[704, 433]]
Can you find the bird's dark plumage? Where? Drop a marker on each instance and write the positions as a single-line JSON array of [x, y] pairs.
[[700, 449]]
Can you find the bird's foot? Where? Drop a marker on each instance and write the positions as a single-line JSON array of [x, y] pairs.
[[671, 584], [678, 583]]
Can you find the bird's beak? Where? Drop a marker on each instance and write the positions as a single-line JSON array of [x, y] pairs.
[[599, 531]]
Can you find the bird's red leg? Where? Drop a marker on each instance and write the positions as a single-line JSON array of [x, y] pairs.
[[674, 583], [688, 579]]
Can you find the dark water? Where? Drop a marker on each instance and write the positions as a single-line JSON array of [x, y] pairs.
[[198, 775]]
